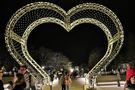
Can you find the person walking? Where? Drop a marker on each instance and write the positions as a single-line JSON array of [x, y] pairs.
[[130, 77]]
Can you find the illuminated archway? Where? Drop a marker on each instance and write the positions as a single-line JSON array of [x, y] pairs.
[[31, 15]]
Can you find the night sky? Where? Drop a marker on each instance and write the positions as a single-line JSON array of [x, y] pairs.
[[78, 43]]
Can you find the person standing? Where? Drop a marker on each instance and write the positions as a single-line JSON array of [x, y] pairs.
[[65, 81], [27, 77], [68, 81], [130, 77], [1, 76], [62, 82], [19, 82], [51, 80]]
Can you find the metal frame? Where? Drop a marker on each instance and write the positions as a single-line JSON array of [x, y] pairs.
[[17, 44]]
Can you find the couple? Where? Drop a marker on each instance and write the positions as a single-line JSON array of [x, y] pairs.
[[65, 81]]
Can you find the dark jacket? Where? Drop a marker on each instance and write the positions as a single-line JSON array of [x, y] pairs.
[[129, 86], [1, 85], [19, 87]]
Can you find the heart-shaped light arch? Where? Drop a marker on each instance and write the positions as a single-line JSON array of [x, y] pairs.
[[21, 24]]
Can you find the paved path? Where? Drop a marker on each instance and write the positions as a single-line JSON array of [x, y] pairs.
[[78, 84], [110, 88]]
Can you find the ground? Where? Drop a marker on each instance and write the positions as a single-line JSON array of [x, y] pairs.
[[78, 84]]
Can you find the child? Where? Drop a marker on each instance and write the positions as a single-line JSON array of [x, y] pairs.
[[130, 76]]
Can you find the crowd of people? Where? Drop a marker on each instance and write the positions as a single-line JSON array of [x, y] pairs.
[[22, 79], [64, 79]]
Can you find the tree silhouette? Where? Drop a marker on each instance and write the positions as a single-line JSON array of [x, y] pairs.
[[94, 57], [50, 59]]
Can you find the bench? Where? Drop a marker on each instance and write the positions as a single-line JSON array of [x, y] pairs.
[[105, 79]]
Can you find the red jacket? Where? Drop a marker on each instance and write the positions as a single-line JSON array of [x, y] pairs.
[[130, 72]]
